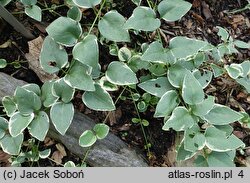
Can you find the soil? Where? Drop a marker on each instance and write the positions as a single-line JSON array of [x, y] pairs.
[[200, 22]]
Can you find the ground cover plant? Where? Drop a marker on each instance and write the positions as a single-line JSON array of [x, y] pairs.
[[169, 76]]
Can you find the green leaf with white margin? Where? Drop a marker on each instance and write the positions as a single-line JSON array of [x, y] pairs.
[[183, 47], [69, 164], [87, 138], [98, 100], [200, 161], [167, 104], [204, 107], [176, 74], [193, 139], [27, 101], [157, 54], [62, 90], [111, 26], [34, 12], [18, 123], [119, 73], [223, 143], [172, 10], [33, 88], [192, 91], [29, 2], [9, 105], [101, 130], [222, 115], [228, 129], [223, 33], [53, 57], [136, 2], [203, 77], [180, 120], [65, 31], [61, 115], [217, 71], [47, 97], [219, 159], [246, 68], [79, 77], [124, 54], [245, 82], [39, 126], [241, 44], [143, 18], [82, 53], [183, 154], [106, 85], [234, 70], [3, 127], [157, 87], [87, 3], [4, 2], [3, 63], [74, 13], [11, 145], [45, 153]]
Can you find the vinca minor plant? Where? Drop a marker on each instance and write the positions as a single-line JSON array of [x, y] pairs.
[[177, 75]]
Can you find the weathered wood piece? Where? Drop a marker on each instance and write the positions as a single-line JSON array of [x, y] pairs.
[[109, 152]]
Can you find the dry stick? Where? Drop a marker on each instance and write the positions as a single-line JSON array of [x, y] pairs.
[[8, 17]]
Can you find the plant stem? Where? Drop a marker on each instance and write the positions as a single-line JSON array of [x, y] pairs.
[[149, 4], [96, 18], [142, 127], [86, 155], [106, 118]]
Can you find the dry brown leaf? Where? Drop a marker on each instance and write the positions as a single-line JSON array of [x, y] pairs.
[[4, 159], [48, 142], [196, 3], [57, 157], [32, 57], [206, 11], [61, 149]]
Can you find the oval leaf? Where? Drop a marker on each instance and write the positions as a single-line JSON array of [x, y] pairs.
[[119, 73], [87, 139], [111, 26], [180, 120], [9, 105], [204, 107], [62, 90], [143, 18], [157, 54], [47, 97], [222, 144], [75, 13], [219, 159], [65, 31], [61, 115], [172, 10], [176, 74], [12, 145], [167, 103], [101, 130], [18, 123], [82, 53], [39, 126], [87, 3], [183, 47], [222, 115], [157, 87], [192, 91], [34, 12], [3, 127], [78, 77], [99, 99], [203, 77], [52, 57], [3, 63], [27, 101]]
